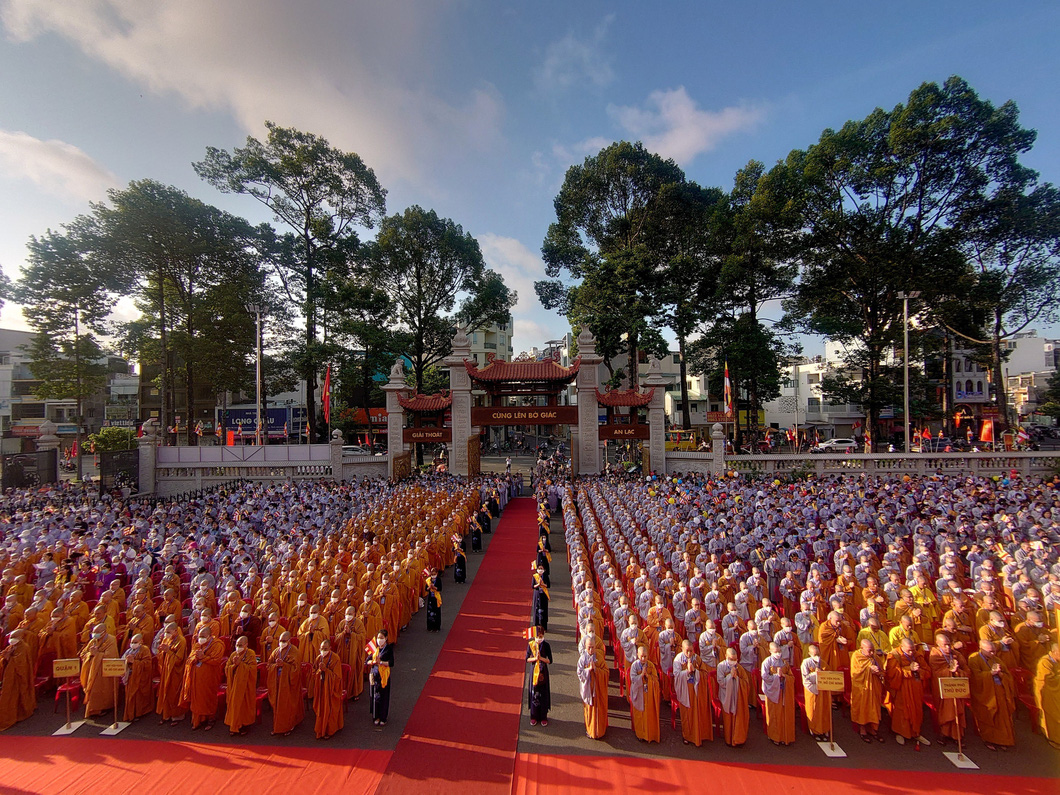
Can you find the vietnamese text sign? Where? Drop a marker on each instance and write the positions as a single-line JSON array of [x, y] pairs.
[[64, 668], [624, 432], [830, 680], [718, 416], [409, 435], [114, 667], [953, 687], [524, 415]]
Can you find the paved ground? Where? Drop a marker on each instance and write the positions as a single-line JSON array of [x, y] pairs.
[[415, 654], [565, 733]]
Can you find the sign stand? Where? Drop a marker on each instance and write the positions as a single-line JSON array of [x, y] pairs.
[[115, 669], [67, 669], [830, 681], [956, 688]]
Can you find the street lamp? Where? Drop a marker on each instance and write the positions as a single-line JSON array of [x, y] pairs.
[[905, 362], [255, 309]]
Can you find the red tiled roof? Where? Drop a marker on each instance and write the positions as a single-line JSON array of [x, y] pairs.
[[498, 370], [624, 397], [426, 404]]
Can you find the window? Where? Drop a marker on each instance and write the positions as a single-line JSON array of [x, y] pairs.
[[813, 378], [677, 358], [695, 408], [813, 404], [715, 407], [957, 367], [978, 387]]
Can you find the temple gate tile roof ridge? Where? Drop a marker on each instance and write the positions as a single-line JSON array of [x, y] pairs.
[[426, 404], [624, 397], [499, 370]]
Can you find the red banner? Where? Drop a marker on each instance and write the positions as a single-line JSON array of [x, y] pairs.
[[624, 432]]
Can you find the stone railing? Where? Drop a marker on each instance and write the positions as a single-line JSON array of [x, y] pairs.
[[984, 464]]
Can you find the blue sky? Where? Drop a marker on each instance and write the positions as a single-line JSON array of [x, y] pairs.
[[474, 109]]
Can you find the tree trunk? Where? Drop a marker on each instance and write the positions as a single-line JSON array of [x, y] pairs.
[[1001, 383], [685, 410], [947, 385], [163, 341], [310, 337], [77, 372], [634, 361]]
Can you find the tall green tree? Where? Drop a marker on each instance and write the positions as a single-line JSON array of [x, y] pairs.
[[607, 214], [879, 199], [67, 296], [426, 265], [322, 193]]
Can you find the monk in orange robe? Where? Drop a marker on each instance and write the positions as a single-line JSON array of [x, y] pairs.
[[778, 686], [644, 696], [350, 639], [816, 702], [31, 625], [327, 697], [172, 654], [907, 676], [692, 691], [834, 639], [371, 615], [1047, 694], [592, 681], [993, 693], [866, 691], [241, 677], [734, 689], [139, 673], [99, 690], [269, 640], [18, 699], [202, 679], [388, 597], [285, 687], [944, 661]]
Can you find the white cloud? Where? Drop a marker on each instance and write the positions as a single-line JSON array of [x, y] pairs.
[[574, 62], [674, 126], [519, 266], [56, 167], [350, 71]]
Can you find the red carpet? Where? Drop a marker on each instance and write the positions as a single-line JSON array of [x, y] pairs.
[[536, 773], [73, 765], [464, 729]]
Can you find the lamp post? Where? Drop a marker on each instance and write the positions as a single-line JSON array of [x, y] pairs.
[[905, 363], [256, 310]]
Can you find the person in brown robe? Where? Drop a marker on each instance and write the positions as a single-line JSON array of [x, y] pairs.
[[31, 625], [644, 696], [241, 679], [327, 695], [866, 691], [907, 675], [18, 699], [1047, 695], [371, 615], [172, 654], [285, 687], [778, 686], [269, 640], [692, 690], [1032, 640], [944, 661], [993, 697], [202, 678], [58, 640], [139, 673], [99, 690]]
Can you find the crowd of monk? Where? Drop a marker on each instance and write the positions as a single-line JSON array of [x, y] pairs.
[[254, 593], [724, 596]]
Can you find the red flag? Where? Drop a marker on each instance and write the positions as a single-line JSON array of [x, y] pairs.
[[371, 649], [529, 633], [326, 399], [73, 451], [987, 432], [308, 432], [728, 393]]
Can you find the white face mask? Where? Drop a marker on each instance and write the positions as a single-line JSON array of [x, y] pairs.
[[134, 646], [284, 644], [15, 641], [244, 616], [273, 623], [203, 641]]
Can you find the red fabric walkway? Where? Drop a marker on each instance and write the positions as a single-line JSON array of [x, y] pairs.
[[539, 773], [75, 765], [464, 729]]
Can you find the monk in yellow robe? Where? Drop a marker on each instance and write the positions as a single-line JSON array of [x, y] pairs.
[[907, 676], [350, 639], [269, 639], [866, 691], [734, 689], [371, 615], [778, 686], [202, 679], [285, 687], [311, 631], [99, 690], [644, 696], [141, 623], [12, 613], [327, 695], [993, 697], [31, 625], [241, 679], [18, 698], [172, 654], [1032, 640], [817, 703], [1047, 694], [139, 673], [944, 661]]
